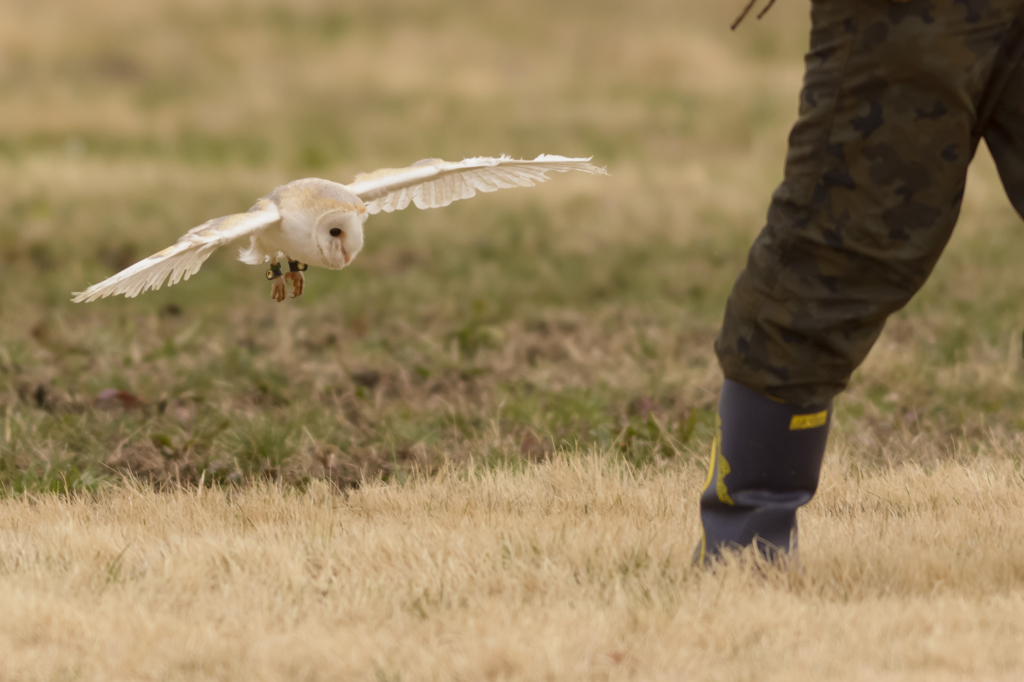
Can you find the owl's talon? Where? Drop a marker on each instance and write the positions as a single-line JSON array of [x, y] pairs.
[[297, 282], [277, 290], [276, 283]]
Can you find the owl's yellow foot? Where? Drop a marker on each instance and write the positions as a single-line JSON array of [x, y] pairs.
[[296, 280], [276, 283], [277, 290], [294, 276]]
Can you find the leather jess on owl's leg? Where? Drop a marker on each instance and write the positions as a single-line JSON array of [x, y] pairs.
[[295, 277], [277, 291]]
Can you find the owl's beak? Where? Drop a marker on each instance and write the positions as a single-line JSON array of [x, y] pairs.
[[348, 258]]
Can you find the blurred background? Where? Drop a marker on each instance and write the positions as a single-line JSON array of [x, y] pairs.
[[578, 314]]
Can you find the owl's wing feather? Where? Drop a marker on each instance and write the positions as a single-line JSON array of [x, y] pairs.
[[184, 258], [432, 183]]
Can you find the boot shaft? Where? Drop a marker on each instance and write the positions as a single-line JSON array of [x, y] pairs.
[[765, 464]]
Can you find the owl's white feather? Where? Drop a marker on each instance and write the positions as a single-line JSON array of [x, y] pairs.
[[433, 183], [319, 222], [184, 258]]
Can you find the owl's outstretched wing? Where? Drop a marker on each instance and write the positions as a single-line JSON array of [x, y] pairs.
[[432, 183], [184, 258]]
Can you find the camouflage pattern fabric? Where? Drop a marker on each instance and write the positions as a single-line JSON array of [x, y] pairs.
[[875, 175]]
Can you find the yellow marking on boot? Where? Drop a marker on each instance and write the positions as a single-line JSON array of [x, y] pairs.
[[716, 445], [799, 422], [723, 471], [723, 466]]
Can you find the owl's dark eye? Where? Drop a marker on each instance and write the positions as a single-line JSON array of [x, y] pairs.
[[335, 232]]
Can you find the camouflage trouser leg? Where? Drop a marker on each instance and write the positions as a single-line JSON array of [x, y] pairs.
[[1004, 130], [874, 180]]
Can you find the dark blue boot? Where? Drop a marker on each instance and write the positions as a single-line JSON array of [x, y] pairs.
[[765, 463]]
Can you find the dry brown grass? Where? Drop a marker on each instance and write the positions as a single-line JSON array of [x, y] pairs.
[[572, 570]]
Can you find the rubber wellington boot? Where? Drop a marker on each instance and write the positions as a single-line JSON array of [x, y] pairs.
[[765, 463]]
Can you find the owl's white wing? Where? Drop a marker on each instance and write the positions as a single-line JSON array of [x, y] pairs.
[[432, 183], [184, 258]]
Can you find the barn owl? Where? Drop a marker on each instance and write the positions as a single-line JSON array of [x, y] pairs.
[[319, 222]]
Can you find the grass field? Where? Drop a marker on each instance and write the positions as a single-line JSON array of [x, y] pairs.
[[474, 454]]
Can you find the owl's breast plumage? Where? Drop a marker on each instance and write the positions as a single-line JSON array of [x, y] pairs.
[[301, 204]]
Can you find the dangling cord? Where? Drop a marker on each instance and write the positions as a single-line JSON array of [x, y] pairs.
[[743, 15], [746, 11], [771, 3]]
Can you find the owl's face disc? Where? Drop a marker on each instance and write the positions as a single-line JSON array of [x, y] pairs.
[[339, 237]]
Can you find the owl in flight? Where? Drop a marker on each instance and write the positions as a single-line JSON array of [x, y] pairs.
[[319, 222]]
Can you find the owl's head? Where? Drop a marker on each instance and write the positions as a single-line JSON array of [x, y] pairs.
[[339, 237]]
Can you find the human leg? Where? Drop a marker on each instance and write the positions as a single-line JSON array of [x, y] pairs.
[[1004, 130], [874, 181]]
